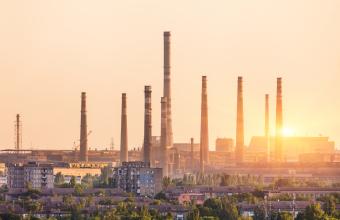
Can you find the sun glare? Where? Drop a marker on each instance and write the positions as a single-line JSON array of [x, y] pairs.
[[287, 132]]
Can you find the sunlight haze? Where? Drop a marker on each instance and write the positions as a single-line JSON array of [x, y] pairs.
[[51, 51]]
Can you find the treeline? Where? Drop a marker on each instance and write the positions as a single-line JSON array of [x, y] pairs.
[[218, 180]]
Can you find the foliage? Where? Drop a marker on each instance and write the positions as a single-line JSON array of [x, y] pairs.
[[9, 216], [329, 205], [73, 182], [156, 202], [161, 196], [194, 214], [88, 181], [78, 190], [105, 177], [166, 182], [314, 212], [239, 180], [68, 201], [219, 207], [59, 179], [259, 213], [33, 206], [282, 216]]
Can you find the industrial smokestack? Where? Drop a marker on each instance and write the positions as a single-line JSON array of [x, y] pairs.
[[278, 139], [177, 162], [239, 150], [266, 127], [83, 129], [18, 139], [164, 137], [167, 86], [204, 146], [192, 154], [124, 132], [147, 124]]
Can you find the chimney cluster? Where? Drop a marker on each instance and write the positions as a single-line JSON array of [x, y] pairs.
[[166, 141]]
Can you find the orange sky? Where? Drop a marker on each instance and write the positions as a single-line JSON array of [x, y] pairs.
[[52, 50]]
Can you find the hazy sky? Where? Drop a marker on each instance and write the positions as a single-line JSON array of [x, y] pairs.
[[52, 50]]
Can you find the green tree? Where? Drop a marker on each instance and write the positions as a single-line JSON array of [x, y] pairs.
[[33, 206], [284, 183], [89, 201], [329, 205], [9, 216], [68, 201], [106, 173], [73, 181], [78, 190], [194, 214], [161, 196], [230, 211], [166, 181], [144, 213], [259, 213], [76, 213], [88, 181], [59, 179], [314, 212], [285, 216], [169, 216]]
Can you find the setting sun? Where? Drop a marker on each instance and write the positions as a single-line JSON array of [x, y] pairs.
[[286, 131]]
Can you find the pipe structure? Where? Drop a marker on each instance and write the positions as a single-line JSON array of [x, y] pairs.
[[192, 154], [124, 132], [239, 150], [266, 127], [167, 85], [83, 129], [147, 125], [204, 142], [17, 133], [279, 121], [164, 137]]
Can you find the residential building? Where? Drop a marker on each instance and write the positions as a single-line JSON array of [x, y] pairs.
[[33, 174], [138, 177]]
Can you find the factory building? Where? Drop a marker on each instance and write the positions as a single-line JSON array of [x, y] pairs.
[[224, 145], [293, 147]]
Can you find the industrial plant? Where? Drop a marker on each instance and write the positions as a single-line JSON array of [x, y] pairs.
[[143, 171]]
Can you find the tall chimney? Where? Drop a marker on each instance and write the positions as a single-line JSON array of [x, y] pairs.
[[147, 125], [83, 129], [167, 85], [164, 137], [278, 139], [177, 162], [17, 133], [266, 127], [239, 151], [192, 163], [124, 132], [204, 146]]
